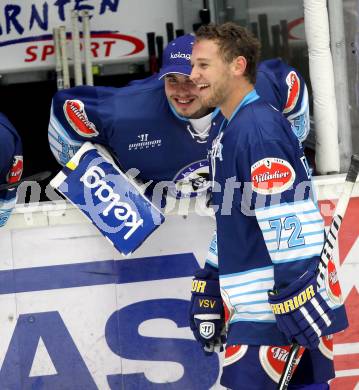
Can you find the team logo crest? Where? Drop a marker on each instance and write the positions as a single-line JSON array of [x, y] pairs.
[[293, 83], [206, 329], [332, 284], [76, 116], [271, 176], [15, 171], [191, 181], [273, 359], [234, 353]]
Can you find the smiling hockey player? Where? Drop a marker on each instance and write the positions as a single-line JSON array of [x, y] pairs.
[[160, 127], [270, 232]]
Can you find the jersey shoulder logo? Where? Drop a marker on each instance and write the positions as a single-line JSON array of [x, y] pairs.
[[271, 176], [76, 116], [293, 83], [15, 171]]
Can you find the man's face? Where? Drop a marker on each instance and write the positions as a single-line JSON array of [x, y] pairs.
[[210, 73], [182, 93]]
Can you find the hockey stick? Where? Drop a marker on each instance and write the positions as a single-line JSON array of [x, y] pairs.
[[159, 43], [58, 66], [179, 32], [325, 256], [170, 32], [151, 43], [36, 177]]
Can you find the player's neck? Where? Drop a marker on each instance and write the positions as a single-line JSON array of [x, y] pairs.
[[236, 95]]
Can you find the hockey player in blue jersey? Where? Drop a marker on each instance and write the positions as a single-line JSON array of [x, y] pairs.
[[269, 232], [158, 125], [11, 165]]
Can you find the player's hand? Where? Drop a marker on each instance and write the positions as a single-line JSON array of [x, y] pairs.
[[206, 311], [301, 312]]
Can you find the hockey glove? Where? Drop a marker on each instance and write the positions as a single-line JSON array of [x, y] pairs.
[[206, 311], [301, 312]]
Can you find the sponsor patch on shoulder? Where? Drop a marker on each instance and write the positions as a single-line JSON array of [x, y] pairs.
[[293, 83], [15, 171], [271, 176], [76, 116]]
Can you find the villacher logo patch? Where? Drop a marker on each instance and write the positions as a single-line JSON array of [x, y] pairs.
[[271, 176], [76, 116]]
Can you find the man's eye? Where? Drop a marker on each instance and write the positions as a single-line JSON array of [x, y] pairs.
[[203, 66]]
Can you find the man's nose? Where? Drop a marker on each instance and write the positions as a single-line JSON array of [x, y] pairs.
[[194, 74], [183, 87]]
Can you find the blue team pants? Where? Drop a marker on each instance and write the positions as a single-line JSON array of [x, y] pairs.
[[250, 367]]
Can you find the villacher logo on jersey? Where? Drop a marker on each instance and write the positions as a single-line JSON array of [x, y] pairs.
[[267, 176], [15, 172], [121, 210], [272, 176], [75, 113], [273, 359], [293, 83]]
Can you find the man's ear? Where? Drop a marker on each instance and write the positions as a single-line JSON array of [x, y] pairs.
[[239, 65]]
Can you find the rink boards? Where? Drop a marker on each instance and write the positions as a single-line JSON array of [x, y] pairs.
[[77, 315]]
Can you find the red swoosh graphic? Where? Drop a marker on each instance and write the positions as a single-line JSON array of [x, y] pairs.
[[291, 25], [139, 45]]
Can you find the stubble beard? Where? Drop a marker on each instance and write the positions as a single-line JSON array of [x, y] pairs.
[[218, 95], [193, 112]]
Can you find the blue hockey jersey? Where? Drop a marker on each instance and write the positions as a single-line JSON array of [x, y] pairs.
[[140, 128], [144, 132], [11, 165], [269, 229], [284, 88]]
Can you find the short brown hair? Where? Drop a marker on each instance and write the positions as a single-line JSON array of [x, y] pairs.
[[233, 41]]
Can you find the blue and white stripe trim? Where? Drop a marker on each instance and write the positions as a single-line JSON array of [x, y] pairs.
[[292, 231], [300, 120], [6, 207], [61, 144], [212, 255], [246, 294], [9, 201]]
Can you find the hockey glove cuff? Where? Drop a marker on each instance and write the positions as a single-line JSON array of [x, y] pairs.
[[301, 312], [206, 310]]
